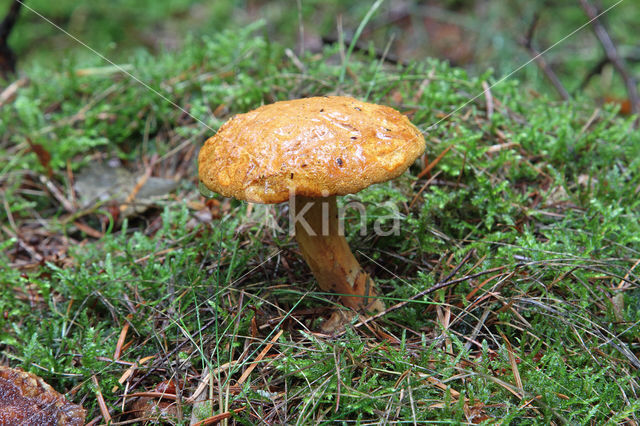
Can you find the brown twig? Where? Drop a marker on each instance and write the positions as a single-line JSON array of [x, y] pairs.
[[527, 43], [612, 55]]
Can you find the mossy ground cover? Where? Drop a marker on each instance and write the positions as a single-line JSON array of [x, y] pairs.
[[513, 279]]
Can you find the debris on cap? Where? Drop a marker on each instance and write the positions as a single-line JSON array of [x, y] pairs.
[[320, 146], [26, 399]]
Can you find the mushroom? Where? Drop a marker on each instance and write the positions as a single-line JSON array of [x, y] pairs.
[[27, 399], [308, 151]]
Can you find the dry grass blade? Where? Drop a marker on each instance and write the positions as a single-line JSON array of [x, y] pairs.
[[488, 98], [625, 282], [437, 383], [422, 188], [128, 374], [434, 162], [120, 343], [261, 355], [139, 184], [88, 230], [338, 379], [10, 92], [159, 395], [219, 417], [206, 378], [101, 403], [514, 365]]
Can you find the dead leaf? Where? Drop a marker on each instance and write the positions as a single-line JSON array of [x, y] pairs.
[[104, 183]]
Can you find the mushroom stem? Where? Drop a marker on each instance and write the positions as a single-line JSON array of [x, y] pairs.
[[328, 254]]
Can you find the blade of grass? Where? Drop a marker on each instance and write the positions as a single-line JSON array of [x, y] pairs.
[[356, 36]]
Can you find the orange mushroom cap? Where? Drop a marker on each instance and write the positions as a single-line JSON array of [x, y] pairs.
[[313, 147]]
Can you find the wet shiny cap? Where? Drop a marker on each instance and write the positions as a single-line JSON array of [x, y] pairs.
[[313, 147]]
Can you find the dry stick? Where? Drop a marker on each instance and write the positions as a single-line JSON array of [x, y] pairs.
[[53, 189], [527, 43], [613, 55], [464, 260], [159, 395]]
